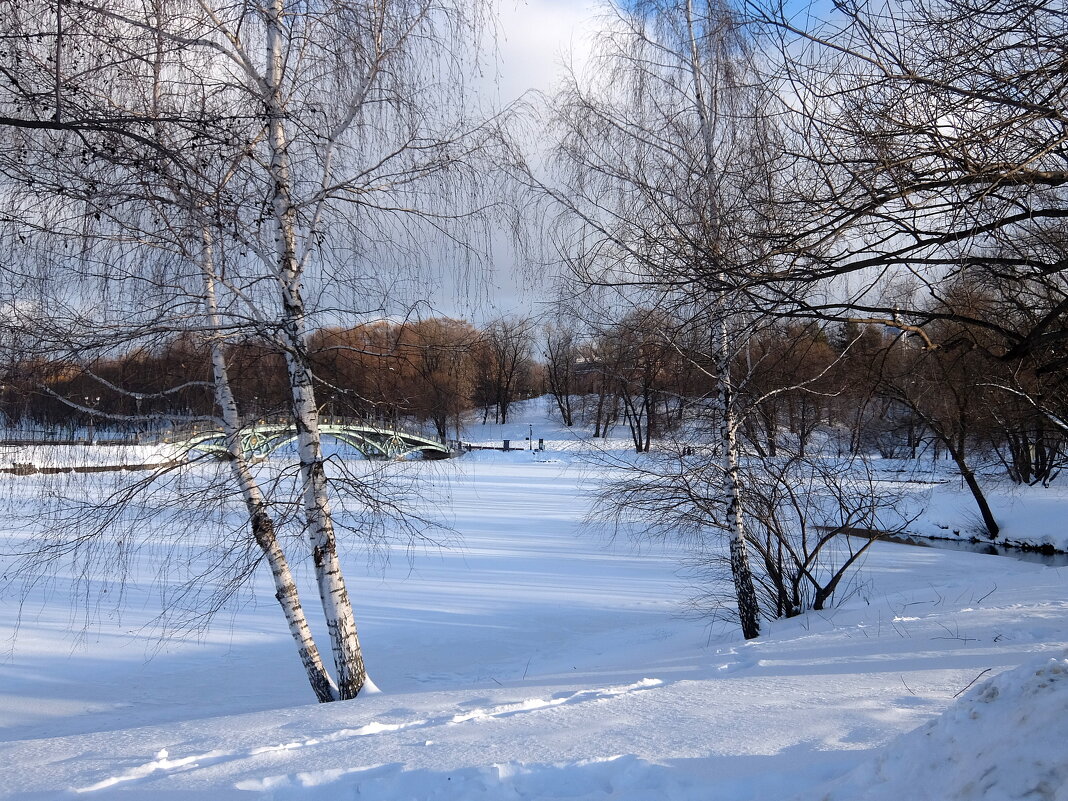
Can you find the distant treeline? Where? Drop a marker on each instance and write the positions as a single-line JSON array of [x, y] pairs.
[[430, 370], [857, 389]]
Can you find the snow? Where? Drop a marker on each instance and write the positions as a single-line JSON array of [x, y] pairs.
[[538, 419], [974, 751], [1030, 516], [535, 658], [52, 456]]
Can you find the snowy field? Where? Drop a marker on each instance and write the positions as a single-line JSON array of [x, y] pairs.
[[538, 659]]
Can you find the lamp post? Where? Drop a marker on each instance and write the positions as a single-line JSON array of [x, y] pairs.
[[92, 403]]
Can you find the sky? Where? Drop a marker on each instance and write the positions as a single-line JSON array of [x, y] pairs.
[[535, 38]]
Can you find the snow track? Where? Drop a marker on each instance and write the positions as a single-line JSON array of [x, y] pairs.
[[164, 763]]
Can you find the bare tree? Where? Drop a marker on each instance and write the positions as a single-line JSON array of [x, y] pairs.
[[666, 157], [335, 132], [811, 521], [645, 364], [509, 344], [601, 363], [785, 385], [929, 142], [439, 354], [561, 367], [363, 68]]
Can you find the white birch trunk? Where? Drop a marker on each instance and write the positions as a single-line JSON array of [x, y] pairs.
[[745, 592], [337, 607], [706, 101], [259, 519]]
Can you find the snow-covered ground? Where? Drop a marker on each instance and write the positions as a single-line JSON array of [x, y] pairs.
[[537, 659], [939, 506], [51, 456], [538, 420], [1004, 740]]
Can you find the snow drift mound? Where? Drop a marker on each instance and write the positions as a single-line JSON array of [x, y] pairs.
[[1005, 740]]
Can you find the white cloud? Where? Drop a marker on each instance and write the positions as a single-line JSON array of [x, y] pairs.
[[536, 37], [534, 40]]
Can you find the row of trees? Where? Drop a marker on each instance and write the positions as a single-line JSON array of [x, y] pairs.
[[847, 388], [426, 371]]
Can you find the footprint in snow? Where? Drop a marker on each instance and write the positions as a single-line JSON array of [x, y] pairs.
[[162, 763]]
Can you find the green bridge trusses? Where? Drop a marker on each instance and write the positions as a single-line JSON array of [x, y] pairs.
[[374, 443]]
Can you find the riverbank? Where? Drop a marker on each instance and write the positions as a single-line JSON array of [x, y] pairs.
[[1030, 518]]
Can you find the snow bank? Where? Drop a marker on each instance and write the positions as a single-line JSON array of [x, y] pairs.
[[51, 456], [1029, 516], [1005, 740]]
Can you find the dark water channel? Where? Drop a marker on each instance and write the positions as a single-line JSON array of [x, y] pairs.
[[992, 549]]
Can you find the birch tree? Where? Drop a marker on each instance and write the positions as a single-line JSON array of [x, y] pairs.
[[361, 73], [667, 158], [509, 344], [347, 146]]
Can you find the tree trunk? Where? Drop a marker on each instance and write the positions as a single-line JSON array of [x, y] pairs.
[[337, 607], [748, 607], [561, 392], [262, 526], [957, 453], [598, 422], [992, 527]]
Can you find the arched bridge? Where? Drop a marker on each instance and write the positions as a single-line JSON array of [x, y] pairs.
[[373, 442]]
